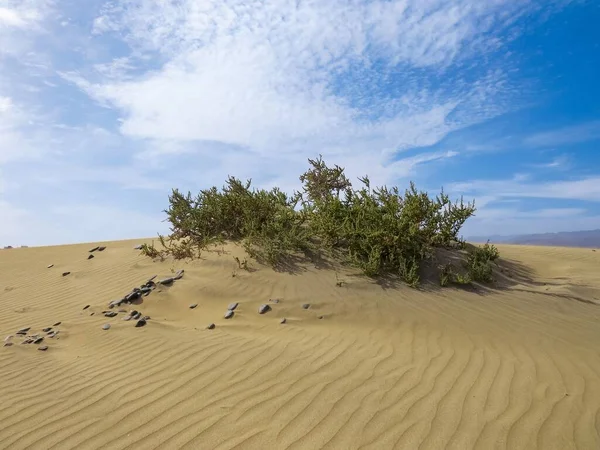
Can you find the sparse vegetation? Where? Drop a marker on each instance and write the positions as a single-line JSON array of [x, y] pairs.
[[378, 230], [479, 262]]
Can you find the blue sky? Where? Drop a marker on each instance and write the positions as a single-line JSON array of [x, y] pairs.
[[104, 109]]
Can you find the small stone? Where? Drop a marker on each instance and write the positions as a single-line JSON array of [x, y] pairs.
[[138, 247], [8, 338], [43, 348], [23, 330], [167, 281], [211, 326], [305, 306], [229, 314], [65, 274], [321, 317], [126, 318], [91, 314], [94, 249], [50, 265], [140, 323], [52, 334], [110, 314], [263, 309], [274, 300], [193, 305], [86, 307], [90, 256], [146, 318], [56, 324], [179, 274], [136, 316], [38, 340], [45, 330], [122, 310], [106, 326], [8, 344], [232, 306], [284, 320], [102, 248], [27, 341]]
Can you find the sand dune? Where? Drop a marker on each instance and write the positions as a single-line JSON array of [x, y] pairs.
[[384, 367]]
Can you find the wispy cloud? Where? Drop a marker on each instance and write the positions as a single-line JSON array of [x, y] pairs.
[[585, 132]]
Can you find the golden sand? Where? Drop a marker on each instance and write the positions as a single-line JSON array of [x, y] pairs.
[[385, 367]]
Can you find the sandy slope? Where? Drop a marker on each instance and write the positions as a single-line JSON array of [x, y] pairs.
[[386, 366]]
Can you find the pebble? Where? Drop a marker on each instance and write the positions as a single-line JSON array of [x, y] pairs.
[[127, 318], [106, 326], [38, 340], [138, 247], [8, 344], [23, 330], [193, 305], [229, 314], [56, 324], [232, 306], [102, 248], [321, 317], [140, 323], [179, 274], [167, 280], [50, 265], [90, 256], [8, 338], [52, 334], [211, 326], [65, 274], [305, 306], [136, 316], [94, 249], [86, 307], [263, 309], [43, 348], [274, 300], [122, 310], [45, 330], [110, 314], [284, 320]]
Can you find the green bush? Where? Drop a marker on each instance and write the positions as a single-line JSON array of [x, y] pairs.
[[378, 230], [479, 262]]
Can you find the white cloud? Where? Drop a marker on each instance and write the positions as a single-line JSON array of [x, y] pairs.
[[585, 132]]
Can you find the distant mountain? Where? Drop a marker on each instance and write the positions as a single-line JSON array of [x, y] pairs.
[[587, 239]]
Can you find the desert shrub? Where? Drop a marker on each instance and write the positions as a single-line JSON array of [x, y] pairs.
[[479, 262], [380, 230]]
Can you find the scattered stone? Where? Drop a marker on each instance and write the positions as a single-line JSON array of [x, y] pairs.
[[274, 300], [305, 306], [102, 248], [232, 306], [38, 340], [168, 280], [211, 326], [94, 249], [136, 316], [56, 324], [179, 274], [52, 334], [24, 330], [86, 307], [43, 348], [138, 247], [45, 330], [146, 318], [106, 326], [114, 303], [140, 323], [263, 309], [90, 256], [50, 265], [284, 320], [321, 317], [229, 314], [91, 314], [27, 341], [66, 273], [146, 294], [132, 296], [8, 338], [7, 344], [122, 310], [110, 314], [126, 318], [193, 305]]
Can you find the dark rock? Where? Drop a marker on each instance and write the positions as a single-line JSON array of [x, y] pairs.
[[229, 314], [45, 330], [110, 314], [52, 334], [146, 318], [8, 344], [66, 273], [38, 340], [106, 326], [23, 330], [43, 348], [114, 303], [263, 309], [179, 274], [27, 341], [305, 306], [193, 305], [86, 307], [146, 289], [56, 324], [140, 323], [232, 306], [94, 249], [90, 256], [321, 317], [132, 296], [284, 320], [211, 326], [102, 248], [136, 316], [91, 314], [146, 294], [168, 280], [50, 265]]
